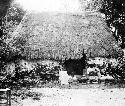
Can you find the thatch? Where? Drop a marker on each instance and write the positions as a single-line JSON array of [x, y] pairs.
[[62, 36]]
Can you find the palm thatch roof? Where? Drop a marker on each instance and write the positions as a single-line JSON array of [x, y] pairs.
[[62, 36]]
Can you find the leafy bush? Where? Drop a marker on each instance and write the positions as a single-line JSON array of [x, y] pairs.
[[47, 71], [22, 76], [12, 19], [118, 72]]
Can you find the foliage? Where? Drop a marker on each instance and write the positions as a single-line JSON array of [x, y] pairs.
[[115, 18], [93, 5], [24, 76], [118, 71], [4, 5], [47, 72], [12, 19], [4, 50], [9, 22]]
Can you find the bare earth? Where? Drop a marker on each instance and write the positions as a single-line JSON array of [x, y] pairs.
[[76, 96]]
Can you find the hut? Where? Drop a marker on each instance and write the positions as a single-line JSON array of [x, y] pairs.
[[62, 36]]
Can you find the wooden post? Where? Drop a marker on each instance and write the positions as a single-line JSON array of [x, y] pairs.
[[7, 98]]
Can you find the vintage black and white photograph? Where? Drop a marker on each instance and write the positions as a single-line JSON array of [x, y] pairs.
[[62, 53]]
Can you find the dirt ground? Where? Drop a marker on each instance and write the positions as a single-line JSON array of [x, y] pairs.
[[74, 95]]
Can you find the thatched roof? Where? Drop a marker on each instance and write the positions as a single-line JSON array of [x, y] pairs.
[[61, 36]]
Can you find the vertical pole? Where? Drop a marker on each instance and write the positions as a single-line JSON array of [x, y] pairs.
[[9, 94], [7, 97]]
